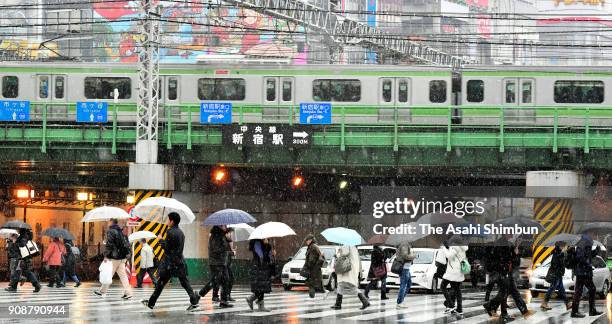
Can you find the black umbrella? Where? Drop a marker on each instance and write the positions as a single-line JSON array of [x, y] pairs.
[[15, 224], [602, 227], [521, 221], [441, 219], [58, 232]]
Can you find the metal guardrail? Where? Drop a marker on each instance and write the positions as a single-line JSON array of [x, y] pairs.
[[446, 126]]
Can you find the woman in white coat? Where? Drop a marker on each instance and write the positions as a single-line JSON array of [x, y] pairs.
[[455, 255], [348, 282]]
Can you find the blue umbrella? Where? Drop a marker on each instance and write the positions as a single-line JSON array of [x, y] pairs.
[[342, 235], [228, 216]]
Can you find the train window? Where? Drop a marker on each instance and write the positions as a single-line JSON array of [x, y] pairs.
[[387, 90], [567, 91], [437, 91], [287, 91], [59, 87], [172, 88], [336, 90], [402, 91], [475, 91], [10, 87], [270, 90], [526, 92], [103, 87], [43, 87], [510, 92], [221, 89]]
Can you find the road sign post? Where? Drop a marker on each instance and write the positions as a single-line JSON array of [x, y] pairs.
[[216, 113], [92, 112], [14, 111], [316, 113]]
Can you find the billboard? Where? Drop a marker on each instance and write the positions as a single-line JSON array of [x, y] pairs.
[[573, 6]]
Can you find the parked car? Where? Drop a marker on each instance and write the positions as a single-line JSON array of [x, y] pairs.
[[290, 275], [365, 254], [422, 271], [601, 278]]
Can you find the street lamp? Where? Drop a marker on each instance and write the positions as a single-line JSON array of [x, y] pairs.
[[24, 194], [84, 197]]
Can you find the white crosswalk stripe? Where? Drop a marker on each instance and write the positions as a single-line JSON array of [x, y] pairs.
[[283, 306]]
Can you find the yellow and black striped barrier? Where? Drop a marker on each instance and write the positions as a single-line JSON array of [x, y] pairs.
[[556, 215], [152, 226]]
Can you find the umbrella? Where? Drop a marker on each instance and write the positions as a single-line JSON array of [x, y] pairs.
[[378, 239], [17, 225], [137, 236], [570, 239], [271, 229], [58, 232], [241, 232], [440, 219], [6, 232], [342, 235], [520, 221], [228, 216], [105, 213], [597, 226], [156, 209]]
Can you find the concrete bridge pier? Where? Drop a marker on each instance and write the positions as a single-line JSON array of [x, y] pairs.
[[554, 194]]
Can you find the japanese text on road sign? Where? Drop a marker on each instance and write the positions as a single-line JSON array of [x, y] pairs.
[[266, 135], [315, 113], [14, 111], [216, 113], [92, 112]]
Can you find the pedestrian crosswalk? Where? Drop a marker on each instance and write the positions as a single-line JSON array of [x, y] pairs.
[[292, 306]]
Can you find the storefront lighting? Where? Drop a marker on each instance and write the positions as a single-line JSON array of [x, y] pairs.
[[82, 196]]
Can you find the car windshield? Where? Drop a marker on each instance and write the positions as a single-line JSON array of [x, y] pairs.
[[365, 254], [327, 252], [423, 257]]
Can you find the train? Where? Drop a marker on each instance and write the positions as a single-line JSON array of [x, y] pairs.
[[358, 94]]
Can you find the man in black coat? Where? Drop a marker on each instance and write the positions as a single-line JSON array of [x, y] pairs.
[[502, 252], [230, 274], [21, 266], [584, 275], [218, 248], [173, 264]]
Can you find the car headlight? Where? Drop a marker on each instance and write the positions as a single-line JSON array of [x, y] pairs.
[[285, 270]]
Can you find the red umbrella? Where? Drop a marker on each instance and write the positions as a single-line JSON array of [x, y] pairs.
[[378, 239]]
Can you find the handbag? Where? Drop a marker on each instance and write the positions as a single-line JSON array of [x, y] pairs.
[[29, 250], [106, 273], [397, 267], [304, 272], [379, 271]]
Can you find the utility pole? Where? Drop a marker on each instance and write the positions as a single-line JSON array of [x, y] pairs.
[[148, 85]]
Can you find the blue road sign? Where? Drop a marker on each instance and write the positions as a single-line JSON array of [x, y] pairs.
[[216, 113], [92, 112], [14, 111], [315, 113]]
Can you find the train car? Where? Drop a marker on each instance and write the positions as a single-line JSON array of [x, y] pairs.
[[359, 94]]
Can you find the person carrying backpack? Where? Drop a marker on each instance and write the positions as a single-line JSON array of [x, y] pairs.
[[69, 265], [456, 268], [347, 257], [583, 270], [404, 257], [117, 250]]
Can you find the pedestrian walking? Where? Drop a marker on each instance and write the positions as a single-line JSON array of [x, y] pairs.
[[53, 259], [348, 268], [491, 266], [441, 265], [261, 272], [514, 275], [377, 272], [117, 250], [147, 264], [312, 266], [583, 271], [22, 266], [217, 260], [12, 253], [501, 252], [554, 276], [455, 275], [405, 257], [173, 264], [69, 267], [231, 252]]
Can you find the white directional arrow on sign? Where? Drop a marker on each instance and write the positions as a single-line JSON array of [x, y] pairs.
[[301, 134], [14, 115], [91, 117]]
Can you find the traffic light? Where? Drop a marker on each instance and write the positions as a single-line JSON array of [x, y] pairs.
[[297, 181], [220, 175]]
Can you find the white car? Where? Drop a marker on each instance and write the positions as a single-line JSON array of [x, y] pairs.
[[290, 276], [365, 255], [601, 278], [421, 272]]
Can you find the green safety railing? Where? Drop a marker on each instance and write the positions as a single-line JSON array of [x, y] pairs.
[[387, 126]]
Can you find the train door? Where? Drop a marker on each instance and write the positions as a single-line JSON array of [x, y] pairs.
[[518, 99], [51, 90], [278, 98], [169, 94], [393, 99]]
